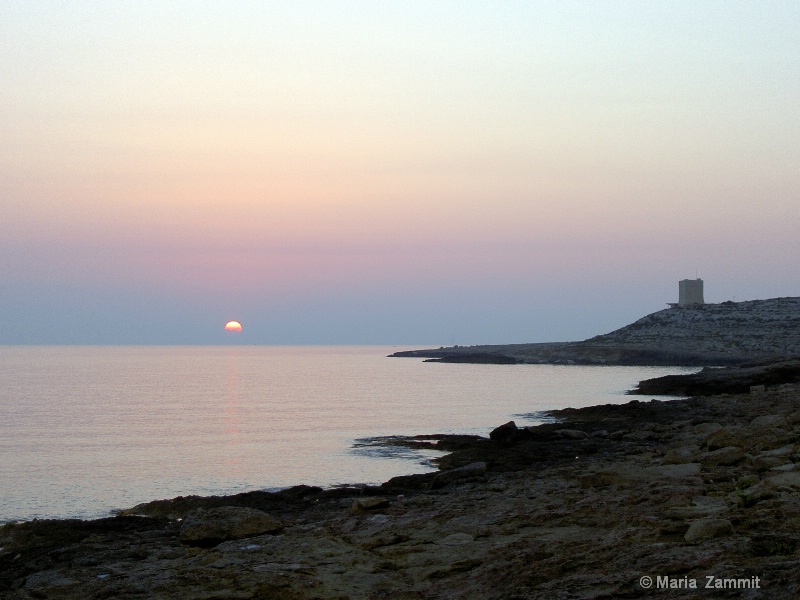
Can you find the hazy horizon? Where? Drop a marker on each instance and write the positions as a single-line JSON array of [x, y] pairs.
[[406, 173]]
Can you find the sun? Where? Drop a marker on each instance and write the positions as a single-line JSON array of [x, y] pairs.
[[233, 326]]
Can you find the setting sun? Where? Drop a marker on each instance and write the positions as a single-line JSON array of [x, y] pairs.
[[233, 326]]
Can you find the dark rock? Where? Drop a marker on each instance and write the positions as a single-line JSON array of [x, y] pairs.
[[728, 380], [504, 432], [179, 507], [45, 534], [418, 481], [572, 434], [774, 544], [478, 358], [206, 527], [470, 471], [368, 503]]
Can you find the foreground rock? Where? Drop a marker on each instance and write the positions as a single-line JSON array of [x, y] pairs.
[[753, 378], [682, 490], [210, 526]]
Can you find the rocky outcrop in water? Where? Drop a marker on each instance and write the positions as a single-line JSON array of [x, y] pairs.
[[730, 380], [479, 358]]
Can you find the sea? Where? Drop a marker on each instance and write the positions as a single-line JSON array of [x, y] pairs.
[[88, 430]]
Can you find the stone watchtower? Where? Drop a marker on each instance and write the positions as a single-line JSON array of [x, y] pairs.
[[690, 292]]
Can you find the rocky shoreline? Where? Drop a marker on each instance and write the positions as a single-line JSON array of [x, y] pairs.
[[586, 506]]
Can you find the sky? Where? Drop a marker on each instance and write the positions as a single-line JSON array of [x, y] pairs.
[[410, 172]]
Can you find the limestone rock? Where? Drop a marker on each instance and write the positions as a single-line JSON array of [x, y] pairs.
[[770, 421], [787, 450], [600, 479], [727, 436], [680, 456], [756, 493], [713, 334], [477, 469], [51, 580], [790, 480], [702, 507], [708, 528], [755, 438], [368, 503], [706, 430], [786, 467], [456, 539], [572, 434], [640, 436], [765, 463], [208, 526], [730, 455], [671, 471]]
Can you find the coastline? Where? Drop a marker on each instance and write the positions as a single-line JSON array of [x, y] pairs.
[[728, 333], [582, 507], [299, 417], [574, 353]]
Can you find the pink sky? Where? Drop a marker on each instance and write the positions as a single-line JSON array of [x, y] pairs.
[[393, 173]]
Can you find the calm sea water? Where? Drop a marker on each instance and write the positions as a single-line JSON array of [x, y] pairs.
[[87, 430]]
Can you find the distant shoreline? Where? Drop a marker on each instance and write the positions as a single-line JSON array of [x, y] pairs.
[[569, 353], [729, 333]]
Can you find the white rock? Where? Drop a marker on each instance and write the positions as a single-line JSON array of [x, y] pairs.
[[705, 529]]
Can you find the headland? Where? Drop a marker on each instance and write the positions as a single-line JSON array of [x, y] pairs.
[[728, 333]]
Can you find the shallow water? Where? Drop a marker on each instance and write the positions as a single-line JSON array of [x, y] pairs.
[[86, 430]]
